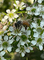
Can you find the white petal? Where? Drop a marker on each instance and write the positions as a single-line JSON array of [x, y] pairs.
[[14, 5], [2, 53], [15, 15], [11, 41], [11, 28], [5, 17], [36, 34], [22, 3], [1, 48], [30, 48], [9, 49], [17, 39], [10, 37], [13, 10], [28, 32], [17, 50], [24, 6], [10, 19], [17, 2], [5, 37], [5, 31], [23, 29], [8, 10], [22, 43], [4, 28], [34, 25], [19, 34], [22, 54], [28, 8], [27, 50], [3, 20], [28, 41], [40, 47], [33, 42], [2, 58]]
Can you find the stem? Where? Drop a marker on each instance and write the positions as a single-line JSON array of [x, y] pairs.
[[26, 58]]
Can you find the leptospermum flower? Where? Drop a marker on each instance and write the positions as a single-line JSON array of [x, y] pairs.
[[7, 43], [38, 40], [19, 5], [10, 15], [23, 49], [1, 55]]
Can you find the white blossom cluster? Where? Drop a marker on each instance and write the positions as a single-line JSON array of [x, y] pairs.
[[36, 10], [24, 38], [38, 28]]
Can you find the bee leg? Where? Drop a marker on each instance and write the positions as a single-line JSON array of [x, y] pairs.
[[25, 27], [16, 25]]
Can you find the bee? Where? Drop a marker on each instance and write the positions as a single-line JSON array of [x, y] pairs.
[[20, 23]]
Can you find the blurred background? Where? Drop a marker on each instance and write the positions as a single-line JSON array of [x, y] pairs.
[[8, 4]]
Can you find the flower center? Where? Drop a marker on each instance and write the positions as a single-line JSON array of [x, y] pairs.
[[11, 15], [5, 44], [39, 40]]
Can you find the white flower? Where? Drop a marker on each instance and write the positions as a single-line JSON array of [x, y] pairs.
[[19, 5], [21, 42], [11, 14], [38, 42], [7, 43], [27, 49], [21, 51]]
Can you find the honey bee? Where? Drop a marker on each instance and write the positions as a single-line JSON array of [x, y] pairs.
[[20, 23]]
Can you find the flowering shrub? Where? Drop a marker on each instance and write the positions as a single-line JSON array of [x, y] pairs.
[[19, 39]]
